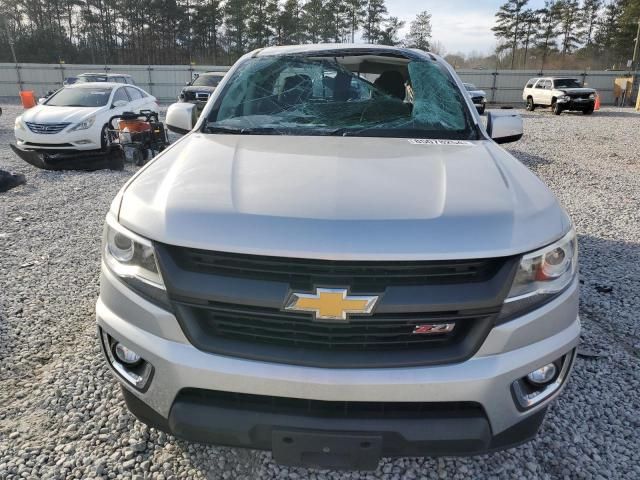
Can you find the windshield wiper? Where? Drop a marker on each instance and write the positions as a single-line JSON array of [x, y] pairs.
[[241, 131]]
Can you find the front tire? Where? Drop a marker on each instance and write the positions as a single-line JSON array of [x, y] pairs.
[[530, 105], [105, 140], [588, 111], [556, 108]]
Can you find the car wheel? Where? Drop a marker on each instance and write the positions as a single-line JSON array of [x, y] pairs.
[[588, 111], [105, 139], [556, 108], [530, 105]]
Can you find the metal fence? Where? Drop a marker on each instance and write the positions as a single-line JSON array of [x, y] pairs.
[[165, 81]]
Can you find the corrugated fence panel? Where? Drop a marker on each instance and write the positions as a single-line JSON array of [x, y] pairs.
[[165, 81]]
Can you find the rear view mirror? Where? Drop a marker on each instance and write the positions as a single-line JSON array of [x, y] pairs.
[[504, 126], [181, 117]]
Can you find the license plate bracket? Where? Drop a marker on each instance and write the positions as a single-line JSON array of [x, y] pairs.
[[322, 449]]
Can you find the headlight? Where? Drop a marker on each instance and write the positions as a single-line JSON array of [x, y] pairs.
[[592, 96], [18, 124], [87, 123], [564, 97], [132, 259], [542, 275]]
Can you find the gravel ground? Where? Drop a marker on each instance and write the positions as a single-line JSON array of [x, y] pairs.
[[61, 412]]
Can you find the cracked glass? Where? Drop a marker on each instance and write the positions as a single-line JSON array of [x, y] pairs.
[[345, 96]]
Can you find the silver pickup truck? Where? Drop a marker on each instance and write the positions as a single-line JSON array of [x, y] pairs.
[[338, 262]]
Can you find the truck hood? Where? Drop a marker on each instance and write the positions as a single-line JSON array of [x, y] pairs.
[[47, 114], [576, 91], [341, 198]]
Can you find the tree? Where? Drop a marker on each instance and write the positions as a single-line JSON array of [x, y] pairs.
[[288, 28], [508, 25], [236, 13], [390, 34], [590, 13], [262, 22], [569, 24], [545, 38], [530, 24], [376, 10], [356, 13], [420, 31]]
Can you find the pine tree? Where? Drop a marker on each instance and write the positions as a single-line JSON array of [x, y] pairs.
[[376, 10], [545, 38], [356, 13], [590, 12], [312, 20], [420, 31], [509, 25], [570, 32], [289, 29], [262, 22], [530, 22], [390, 34], [236, 13]]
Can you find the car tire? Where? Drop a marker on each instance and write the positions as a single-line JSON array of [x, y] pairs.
[[105, 141], [588, 111], [556, 108], [530, 105]]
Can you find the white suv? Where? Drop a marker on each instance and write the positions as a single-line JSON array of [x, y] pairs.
[[560, 94]]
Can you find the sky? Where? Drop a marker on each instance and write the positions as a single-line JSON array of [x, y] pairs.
[[460, 25]]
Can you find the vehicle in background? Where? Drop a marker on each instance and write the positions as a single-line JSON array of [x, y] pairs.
[[559, 93], [105, 77], [198, 90], [69, 81], [334, 270], [478, 97], [76, 116]]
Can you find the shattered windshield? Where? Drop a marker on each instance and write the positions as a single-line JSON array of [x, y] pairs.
[[80, 97], [567, 83], [347, 97]]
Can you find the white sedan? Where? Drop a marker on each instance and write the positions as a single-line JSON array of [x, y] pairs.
[[76, 116]]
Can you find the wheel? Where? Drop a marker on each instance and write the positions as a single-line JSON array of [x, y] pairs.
[[530, 105], [556, 109], [105, 139], [588, 111]]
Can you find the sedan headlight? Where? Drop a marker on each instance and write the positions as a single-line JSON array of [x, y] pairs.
[[542, 275], [592, 96], [86, 123], [132, 259], [18, 123]]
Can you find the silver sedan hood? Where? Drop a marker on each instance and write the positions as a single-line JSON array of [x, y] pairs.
[[342, 198]]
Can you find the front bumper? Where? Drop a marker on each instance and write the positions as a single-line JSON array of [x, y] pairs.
[[511, 351], [88, 139], [577, 104]]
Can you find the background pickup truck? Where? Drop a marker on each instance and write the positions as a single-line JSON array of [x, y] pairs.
[[560, 94]]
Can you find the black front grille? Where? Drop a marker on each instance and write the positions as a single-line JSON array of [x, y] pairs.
[[363, 333], [331, 409], [370, 276], [233, 304]]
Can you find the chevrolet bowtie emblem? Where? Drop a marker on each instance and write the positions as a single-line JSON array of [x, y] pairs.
[[330, 303]]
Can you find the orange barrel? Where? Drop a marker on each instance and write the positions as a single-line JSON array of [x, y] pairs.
[[28, 98]]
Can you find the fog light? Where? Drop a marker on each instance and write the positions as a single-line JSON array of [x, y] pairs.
[[542, 376], [128, 356]]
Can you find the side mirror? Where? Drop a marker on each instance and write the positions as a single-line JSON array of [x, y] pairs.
[[41, 100], [181, 117], [504, 126], [119, 103]]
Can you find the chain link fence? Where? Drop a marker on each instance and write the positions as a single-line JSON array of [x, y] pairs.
[[165, 81]]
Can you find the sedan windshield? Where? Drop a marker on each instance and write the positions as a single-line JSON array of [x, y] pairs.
[[207, 81], [567, 83], [321, 96], [80, 97]]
